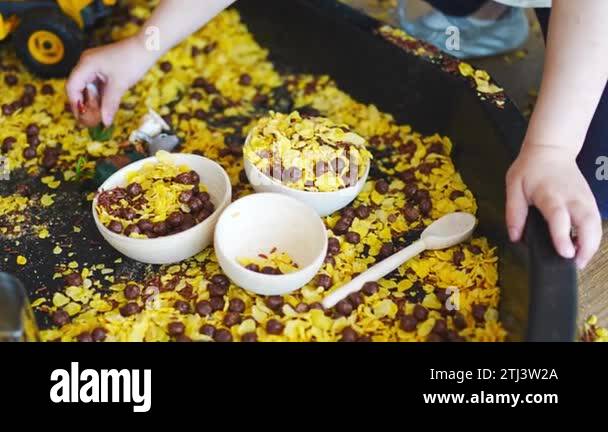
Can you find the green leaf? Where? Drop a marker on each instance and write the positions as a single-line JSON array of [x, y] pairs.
[[80, 164], [80, 168], [101, 134]]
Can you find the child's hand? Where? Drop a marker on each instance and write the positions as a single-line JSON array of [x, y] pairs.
[[118, 66], [550, 180]]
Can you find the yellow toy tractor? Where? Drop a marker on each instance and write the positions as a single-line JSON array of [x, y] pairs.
[[50, 35]]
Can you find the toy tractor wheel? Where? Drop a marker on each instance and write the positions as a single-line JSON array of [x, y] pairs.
[[48, 42]]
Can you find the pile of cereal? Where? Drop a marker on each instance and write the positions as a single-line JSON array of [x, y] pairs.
[[312, 154], [213, 89], [272, 263], [160, 199]]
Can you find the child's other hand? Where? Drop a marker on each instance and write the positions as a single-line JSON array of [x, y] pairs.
[[550, 180], [118, 66]]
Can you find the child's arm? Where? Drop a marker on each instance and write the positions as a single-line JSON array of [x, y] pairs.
[[122, 64], [545, 174]]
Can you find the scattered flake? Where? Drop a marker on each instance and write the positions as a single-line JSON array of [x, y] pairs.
[[47, 200], [68, 175], [38, 302], [72, 308], [520, 54], [60, 300], [487, 90]]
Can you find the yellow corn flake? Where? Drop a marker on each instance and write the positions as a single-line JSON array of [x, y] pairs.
[[138, 330], [174, 269], [76, 229], [258, 314], [489, 88], [73, 265], [38, 302], [247, 326], [431, 302], [425, 328], [21, 260], [79, 294], [385, 308], [47, 200], [319, 320], [43, 233], [482, 75], [466, 69], [100, 305], [520, 54], [60, 300], [404, 285], [57, 250], [68, 175]]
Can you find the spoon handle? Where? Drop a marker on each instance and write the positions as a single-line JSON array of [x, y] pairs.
[[374, 273]]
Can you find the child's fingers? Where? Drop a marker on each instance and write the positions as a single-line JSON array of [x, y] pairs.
[[110, 101], [588, 232], [557, 216], [517, 210], [81, 75]]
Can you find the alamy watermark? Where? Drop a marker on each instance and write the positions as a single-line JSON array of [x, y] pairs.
[[452, 302], [89, 386], [452, 42], [601, 173], [152, 38]]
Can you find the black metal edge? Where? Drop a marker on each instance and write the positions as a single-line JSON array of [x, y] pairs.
[[549, 301], [547, 269]]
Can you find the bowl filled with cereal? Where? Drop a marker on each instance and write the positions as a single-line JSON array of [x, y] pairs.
[[312, 159], [162, 209]]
